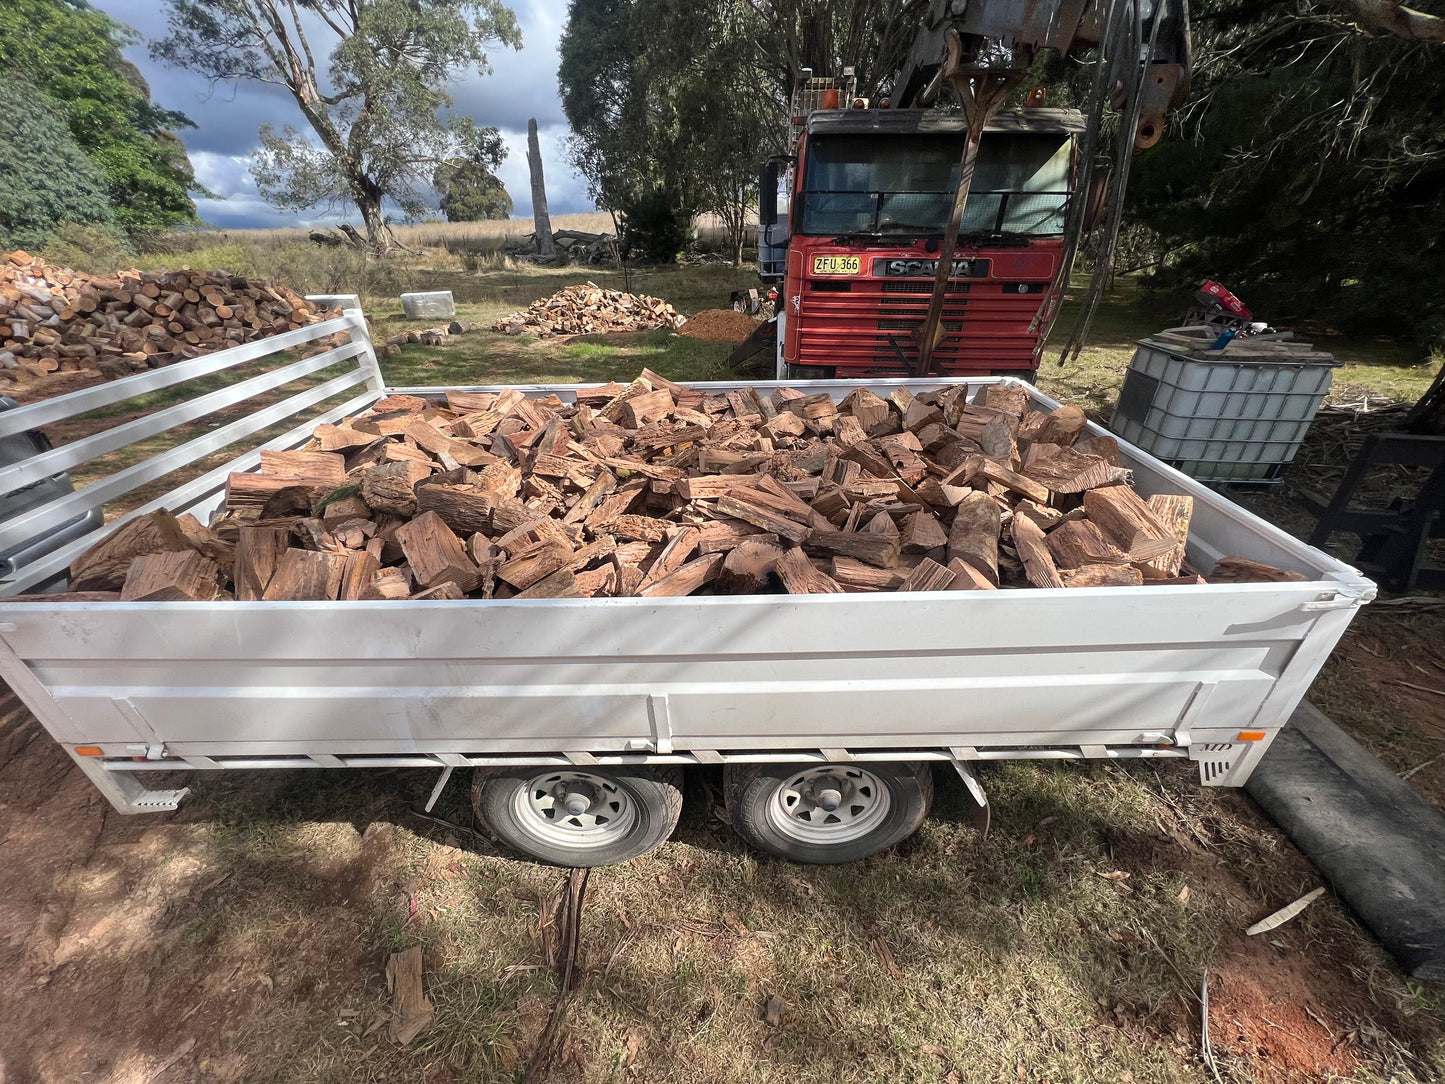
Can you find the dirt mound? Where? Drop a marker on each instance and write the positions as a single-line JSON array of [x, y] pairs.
[[586, 309], [719, 325]]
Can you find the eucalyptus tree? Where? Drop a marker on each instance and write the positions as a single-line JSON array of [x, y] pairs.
[[369, 77]]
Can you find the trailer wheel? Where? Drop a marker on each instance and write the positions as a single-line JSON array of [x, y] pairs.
[[576, 817], [827, 813]]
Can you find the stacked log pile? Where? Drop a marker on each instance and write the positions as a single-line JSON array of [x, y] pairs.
[[654, 489], [588, 309], [53, 319], [1197, 342]]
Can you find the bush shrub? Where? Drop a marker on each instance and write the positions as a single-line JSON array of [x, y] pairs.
[[654, 227]]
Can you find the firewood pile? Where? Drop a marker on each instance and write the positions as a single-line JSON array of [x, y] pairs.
[[588, 309], [653, 489], [441, 335], [53, 319]]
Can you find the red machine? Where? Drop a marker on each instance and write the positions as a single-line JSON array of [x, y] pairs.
[[939, 241], [871, 192]]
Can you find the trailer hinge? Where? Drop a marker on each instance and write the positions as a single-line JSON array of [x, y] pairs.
[[1335, 600]]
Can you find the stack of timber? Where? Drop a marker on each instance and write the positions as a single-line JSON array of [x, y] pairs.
[[588, 309], [655, 489], [53, 319], [1196, 342]]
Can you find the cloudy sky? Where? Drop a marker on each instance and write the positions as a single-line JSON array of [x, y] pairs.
[[522, 85]]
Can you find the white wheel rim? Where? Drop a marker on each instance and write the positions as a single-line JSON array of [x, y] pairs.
[[578, 810], [803, 807]]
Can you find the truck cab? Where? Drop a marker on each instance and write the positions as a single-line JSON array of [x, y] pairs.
[[869, 199]]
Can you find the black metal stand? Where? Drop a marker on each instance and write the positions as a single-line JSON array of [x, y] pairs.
[[1392, 540]]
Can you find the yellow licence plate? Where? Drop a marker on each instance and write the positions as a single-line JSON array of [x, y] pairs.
[[836, 265]]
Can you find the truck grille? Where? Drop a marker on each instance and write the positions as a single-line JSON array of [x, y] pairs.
[[868, 327]]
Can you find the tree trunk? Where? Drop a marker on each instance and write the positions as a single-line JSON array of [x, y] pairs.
[[540, 218], [1428, 415], [370, 206]]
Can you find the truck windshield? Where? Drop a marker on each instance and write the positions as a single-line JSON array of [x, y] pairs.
[[876, 184]]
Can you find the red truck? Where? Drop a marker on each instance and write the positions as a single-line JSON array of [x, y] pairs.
[[870, 195]]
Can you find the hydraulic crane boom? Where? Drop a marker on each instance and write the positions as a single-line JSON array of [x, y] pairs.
[[982, 48]]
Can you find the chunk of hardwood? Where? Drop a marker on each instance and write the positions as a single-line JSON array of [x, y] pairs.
[[968, 578], [1033, 551], [748, 566], [390, 583], [640, 528], [717, 485], [801, 578], [872, 412], [1174, 511], [1025, 487], [258, 552], [391, 487], [855, 574], [1103, 575], [334, 438], [595, 582], [650, 406], [1245, 570], [1105, 447], [1066, 471], [922, 532], [875, 548], [326, 468], [103, 567], [358, 575], [686, 579], [431, 439], [306, 575], [1127, 522], [1079, 542], [171, 577], [1012, 399], [465, 509], [446, 591], [561, 584], [533, 564], [1063, 426], [997, 441], [245, 490], [927, 575], [974, 534], [436, 555], [674, 555], [763, 518]]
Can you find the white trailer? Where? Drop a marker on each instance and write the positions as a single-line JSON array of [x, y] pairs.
[[826, 711]]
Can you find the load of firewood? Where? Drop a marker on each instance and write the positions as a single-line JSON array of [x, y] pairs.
[[654, 489], [53, 319], [588, 309]]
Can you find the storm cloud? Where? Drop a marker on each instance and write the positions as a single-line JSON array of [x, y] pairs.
[[523, 84]]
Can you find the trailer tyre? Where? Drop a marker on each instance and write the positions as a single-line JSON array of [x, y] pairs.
[[579, 817], [827, 813]]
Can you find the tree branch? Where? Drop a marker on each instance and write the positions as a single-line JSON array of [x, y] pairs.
[[1393, 17]]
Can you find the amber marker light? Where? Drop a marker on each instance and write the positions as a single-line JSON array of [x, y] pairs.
[[88, 751], [1251, 735]]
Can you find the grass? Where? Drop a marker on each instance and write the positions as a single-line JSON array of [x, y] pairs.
[[951, 958]]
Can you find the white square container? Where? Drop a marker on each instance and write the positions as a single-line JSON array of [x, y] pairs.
[[1230, 419]]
